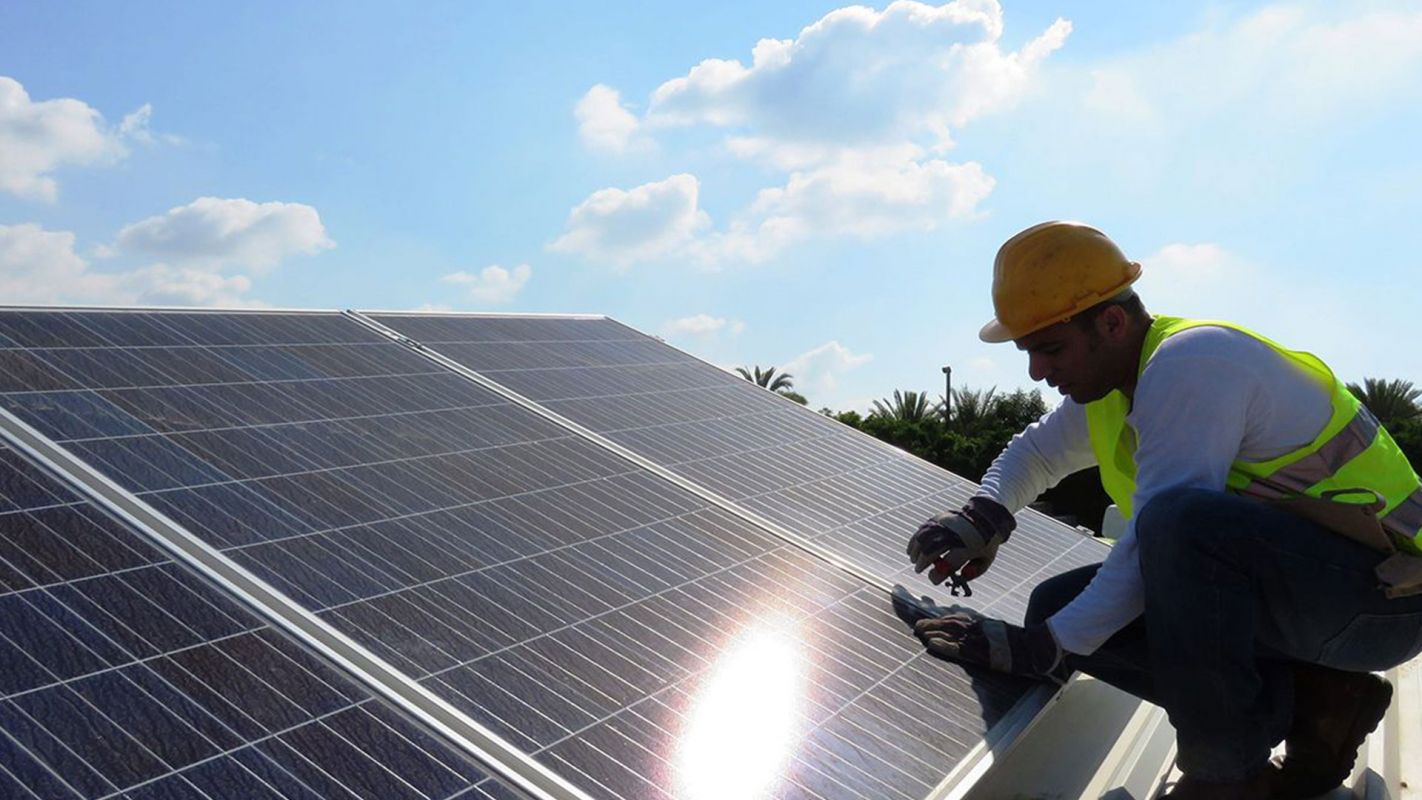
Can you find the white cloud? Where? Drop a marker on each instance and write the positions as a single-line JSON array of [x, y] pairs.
[[626, 226], [856, 111], [135, 126], [852, 197], [911, 72], [493, 284], [703, 325], [817, 372], [40, 266], [604, 123], [161, 284], [859, 197], [214, 233], [1240, 111], [1202, 279], [1303, 63], [37, 138]]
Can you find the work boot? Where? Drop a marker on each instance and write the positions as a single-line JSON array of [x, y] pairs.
[[1255, 788], [1334, 712]]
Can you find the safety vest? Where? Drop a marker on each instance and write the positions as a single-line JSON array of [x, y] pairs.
[[1351, 455]]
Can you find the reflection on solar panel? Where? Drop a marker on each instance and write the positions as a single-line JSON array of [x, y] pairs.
[[630, 635], [123, 675], [850, 493]]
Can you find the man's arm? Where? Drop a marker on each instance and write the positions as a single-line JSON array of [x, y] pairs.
[[1038, 458], [1189, 413]]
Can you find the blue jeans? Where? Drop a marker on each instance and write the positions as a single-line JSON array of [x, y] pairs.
[[1235, 592]]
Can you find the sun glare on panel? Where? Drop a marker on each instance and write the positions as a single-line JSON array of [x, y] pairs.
[[744, 719]]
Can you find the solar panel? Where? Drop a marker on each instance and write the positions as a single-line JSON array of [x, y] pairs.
[[848, 492], [123, 675], [593, 614]]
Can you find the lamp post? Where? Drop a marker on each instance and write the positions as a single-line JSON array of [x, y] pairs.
[[947, 393]]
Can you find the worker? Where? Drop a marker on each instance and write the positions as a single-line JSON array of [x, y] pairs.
[[1270, 558]]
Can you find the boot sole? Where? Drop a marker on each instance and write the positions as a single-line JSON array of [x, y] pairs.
[[1371, 711]]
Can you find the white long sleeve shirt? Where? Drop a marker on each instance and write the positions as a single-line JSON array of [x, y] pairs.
[[1207, 397]]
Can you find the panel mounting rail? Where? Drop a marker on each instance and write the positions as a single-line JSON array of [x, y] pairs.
[[508, 764]]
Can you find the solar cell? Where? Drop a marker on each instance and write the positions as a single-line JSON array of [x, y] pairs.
[[123, 675], [855, 496], [589, 612]]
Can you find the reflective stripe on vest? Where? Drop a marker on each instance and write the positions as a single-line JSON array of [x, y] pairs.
[[1353, 453]]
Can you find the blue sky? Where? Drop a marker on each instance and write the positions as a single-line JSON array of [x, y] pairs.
[[800, 184]]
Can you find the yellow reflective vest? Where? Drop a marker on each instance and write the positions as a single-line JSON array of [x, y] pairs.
[[1353, 455]]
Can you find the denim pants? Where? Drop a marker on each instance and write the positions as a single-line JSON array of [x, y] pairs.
[[1235, 591]]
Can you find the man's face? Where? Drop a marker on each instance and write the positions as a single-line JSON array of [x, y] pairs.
[[1069, 358]]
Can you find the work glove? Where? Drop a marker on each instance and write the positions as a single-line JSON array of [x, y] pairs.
[[968, 637], [965, 540]]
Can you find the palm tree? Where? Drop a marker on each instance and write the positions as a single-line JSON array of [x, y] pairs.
[[767, 378], [905, 406], [974, 408], [1391, 402]]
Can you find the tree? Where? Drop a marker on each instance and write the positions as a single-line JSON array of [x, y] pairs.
[[1408, 436], [796, 396], [905, 407], [1392, 402], [972, 409], [768, 378]]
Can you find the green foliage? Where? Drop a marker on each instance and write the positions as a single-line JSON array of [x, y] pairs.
[[904, 407], [1393, 402], [768, 378], [980, 424], [796, 396], [1396, 405], [1408, 436]]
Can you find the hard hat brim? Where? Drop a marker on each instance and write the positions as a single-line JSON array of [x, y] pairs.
[[995, 332]]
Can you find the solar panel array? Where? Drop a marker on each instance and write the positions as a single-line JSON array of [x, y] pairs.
[[123, 675], [591, 613], [853, 494]]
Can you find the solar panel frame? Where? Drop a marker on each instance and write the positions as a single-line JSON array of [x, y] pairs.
[[527, 778], [970, 767], [121, 675], [843, 540], [1026, 707]]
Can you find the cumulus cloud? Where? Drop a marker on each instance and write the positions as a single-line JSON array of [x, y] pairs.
[[859, 198], [860, 76], [855, 197], [1206, 279], [604, 123], [493, 284], [40, 266], [857, 112], [1258, 101], [626, 226], [37, 138], [703, 325], [1288, 61], [214, 232], [817, 372]]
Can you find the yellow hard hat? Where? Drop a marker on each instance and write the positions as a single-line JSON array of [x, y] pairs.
[[1051, 271]]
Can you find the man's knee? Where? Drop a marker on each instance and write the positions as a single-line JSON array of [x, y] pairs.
[[1052, 594]]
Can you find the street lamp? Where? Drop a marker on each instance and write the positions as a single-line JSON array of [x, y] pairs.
[[947, 392]]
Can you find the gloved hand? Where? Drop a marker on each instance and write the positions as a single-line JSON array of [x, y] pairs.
[[964, 540], [971, 638]]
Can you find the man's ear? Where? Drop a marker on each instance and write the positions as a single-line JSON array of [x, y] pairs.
[[1113, 323]]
